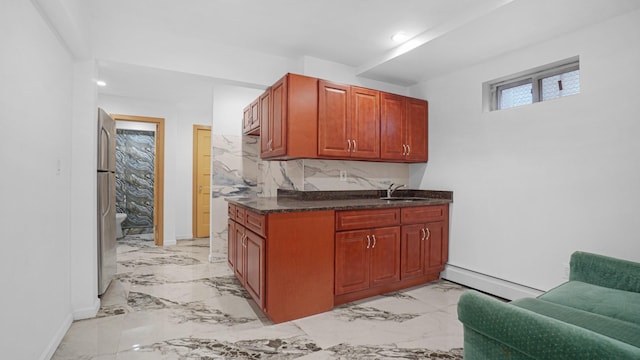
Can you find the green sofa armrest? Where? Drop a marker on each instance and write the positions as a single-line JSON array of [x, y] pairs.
[[605, 271], [516, 333]]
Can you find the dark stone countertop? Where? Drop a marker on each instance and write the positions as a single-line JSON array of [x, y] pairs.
[[296, 201]]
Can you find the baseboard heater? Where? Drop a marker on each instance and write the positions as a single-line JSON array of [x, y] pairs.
[[489, 284]]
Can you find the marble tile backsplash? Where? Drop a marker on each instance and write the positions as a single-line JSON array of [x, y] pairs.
[[237, 171]]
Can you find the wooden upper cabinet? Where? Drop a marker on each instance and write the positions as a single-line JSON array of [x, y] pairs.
[[246, 119], [274, 141], [305, 117], [334, 125], [348, 121], [417, 129], [264, 108], [291, 119], [365, 123], [404, 128], [393, 127], [251, 119]]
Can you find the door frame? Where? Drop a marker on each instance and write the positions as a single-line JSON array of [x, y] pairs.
[[158, 173], [194, 176]]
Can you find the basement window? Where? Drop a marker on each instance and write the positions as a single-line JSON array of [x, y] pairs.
[[541, 84]]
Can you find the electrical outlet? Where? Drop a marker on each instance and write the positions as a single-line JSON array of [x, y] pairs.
[[343, 175]]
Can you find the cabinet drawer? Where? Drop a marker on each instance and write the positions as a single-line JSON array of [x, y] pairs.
[[255, 222], [240, 214], [423, 214], [363, 219], [232, 212]]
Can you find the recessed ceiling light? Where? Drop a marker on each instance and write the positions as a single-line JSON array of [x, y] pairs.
[[101, 83], [400, 37]]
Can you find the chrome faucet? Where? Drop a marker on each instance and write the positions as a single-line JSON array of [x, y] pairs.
[[391, 189]]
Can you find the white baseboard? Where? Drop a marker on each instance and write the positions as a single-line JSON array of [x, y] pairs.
[[57, 338], [489, 284], [87, 312]]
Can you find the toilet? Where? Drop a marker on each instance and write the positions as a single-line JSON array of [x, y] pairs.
[[120, 217]]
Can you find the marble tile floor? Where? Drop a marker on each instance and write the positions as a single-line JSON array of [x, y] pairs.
[[171, 303]]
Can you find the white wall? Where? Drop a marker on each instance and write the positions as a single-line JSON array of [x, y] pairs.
[[84, 249], [35, 156], [332, 71], [178, 152], [118, 37], [535, 183], [228, 104]]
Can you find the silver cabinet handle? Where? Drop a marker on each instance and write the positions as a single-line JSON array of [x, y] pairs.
[[404, 149], [408, 149], [200, 188], [355, 146], [349, 148], [368, 241], [374, 241], [269, 144], [424, 234], [428, 233]]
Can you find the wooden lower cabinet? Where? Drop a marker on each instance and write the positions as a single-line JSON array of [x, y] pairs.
[[411, 253], [246, 257], [255, 267], [425, 244], [296, 264], [288, 272], [367, 258], [231, 244]]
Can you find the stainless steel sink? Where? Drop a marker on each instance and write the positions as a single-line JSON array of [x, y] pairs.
[[404, 198]]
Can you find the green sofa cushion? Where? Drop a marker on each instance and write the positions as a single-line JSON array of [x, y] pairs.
[[605, 271], [526, 334], [480, 347], [620, 330], [618, 304]]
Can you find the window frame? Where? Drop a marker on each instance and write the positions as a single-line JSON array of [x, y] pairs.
[[533, 77]]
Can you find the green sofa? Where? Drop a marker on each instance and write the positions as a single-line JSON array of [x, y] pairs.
[[595, 315]]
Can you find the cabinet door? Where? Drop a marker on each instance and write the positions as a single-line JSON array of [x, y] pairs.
[[255, 267], [417, 130], [365, 123], [412, 250], [278, 120], [246, 119], [255, 110], [436, 247], [266, 124], [240, 266], [231, 244], [392, 127], [385, 255], [352, 261], [333, 119]]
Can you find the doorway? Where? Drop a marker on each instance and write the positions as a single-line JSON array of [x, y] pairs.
[[201, 181], [158, 171]]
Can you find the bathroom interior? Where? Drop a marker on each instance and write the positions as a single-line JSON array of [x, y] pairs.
[[135, 155]]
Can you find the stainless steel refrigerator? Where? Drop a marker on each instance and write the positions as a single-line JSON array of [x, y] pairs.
[[106, 200]]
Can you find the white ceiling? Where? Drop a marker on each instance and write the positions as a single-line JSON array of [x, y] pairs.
[[447, 34]]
